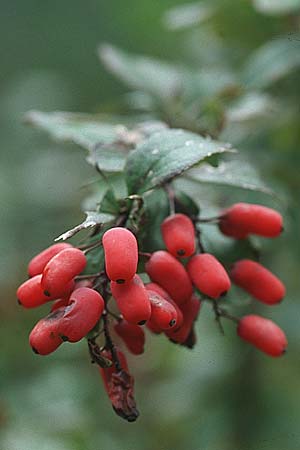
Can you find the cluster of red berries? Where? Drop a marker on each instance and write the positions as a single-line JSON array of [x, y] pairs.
[[180, 279]]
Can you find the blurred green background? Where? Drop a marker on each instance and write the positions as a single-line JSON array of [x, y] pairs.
[[223, 394]]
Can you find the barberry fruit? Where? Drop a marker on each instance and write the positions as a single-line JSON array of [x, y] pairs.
[[258, 281], [61, 269], [178, 233], [44, 337], [38, 263], [263, 334], [31, 294], [132, 335], [242, 219], [159, 290], [121, 254], [132, 300], [208, 275], [83, 311], [190, 311], [169, 273], [163, 313]]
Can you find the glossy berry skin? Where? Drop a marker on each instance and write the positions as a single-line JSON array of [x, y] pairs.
[[242, 219], [258, 281], [44, 337], [169, 273], [121, 254], [208, 275], [132, 300], [159, 290], [190, 311], [263, 334], [132, 335], [31, 294], [178, 233], [163, 313], [38, 263], [83, 311], [61, 269]]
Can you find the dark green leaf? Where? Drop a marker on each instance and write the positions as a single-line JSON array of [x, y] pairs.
[[272, 61], [156, 206], [109, 203], [165, 155], [185, 204], [236, 173], [92, 219]]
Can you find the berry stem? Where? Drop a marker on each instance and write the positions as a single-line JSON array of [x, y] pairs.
[[171, 196]]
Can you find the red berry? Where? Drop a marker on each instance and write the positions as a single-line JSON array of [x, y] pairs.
[[169, 273], [61, 269], [163, 313], [159, 290], [83, 311], [208, 275], [44, 337], [263, 334], [178, 233], [121, 254], [258, 281], [132, 300], [190, 312], [242, 219], [132, 335], [38, 263], [31, 294]]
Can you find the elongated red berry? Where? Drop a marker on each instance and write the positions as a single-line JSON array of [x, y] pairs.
[[208, 275], [163, 313], [159, 290], [61, 269], [178, 233], [44, 337], [119, 385], [190, 311], [132, 300], [132, 335], [38, 263], [263, 334], [169, 273], [31, 294], [242, 219], [258, 281], [121, 254], [83, 311]]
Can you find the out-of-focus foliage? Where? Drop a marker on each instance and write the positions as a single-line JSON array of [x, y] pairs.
[[228, 67]]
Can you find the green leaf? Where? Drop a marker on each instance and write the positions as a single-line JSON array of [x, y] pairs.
[[141, 73], [109, 203], [272, 61], [236, 173], [92, 219], [156, 206], [277, 7], [165, 155], [187, 15], [84, 130]]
